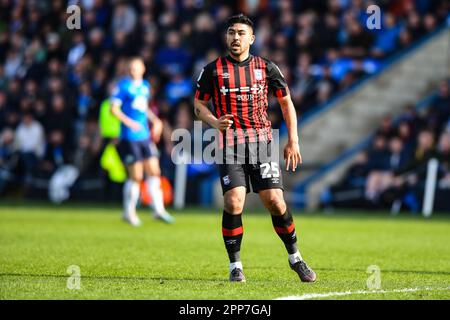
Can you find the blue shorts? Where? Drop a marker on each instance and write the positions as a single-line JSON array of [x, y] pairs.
[[134, 151]]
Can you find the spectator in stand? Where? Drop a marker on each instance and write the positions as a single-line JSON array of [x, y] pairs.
[[58, 116], [386, 128], [173, 59], [355, 178], [203, 37], [3, 109], [6, 146], [412, 117], [378, 153], [8, 157], [77, 50], [381, 179], [425, 150], [85, 105], [429, 23], [358, 41], [414, 25], [407, 180], [96, 44], [404, 39], [304, 87], [444, 156], [85, 158], [56, 154], [441, 103], [30, 144], [177, 88], [124, 19], [407, 136], [415, 169], [386, 41]]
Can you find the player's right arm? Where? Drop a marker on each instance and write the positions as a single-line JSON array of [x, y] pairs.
[[117, 99], [117, 112], [203, 113], [202, 96]]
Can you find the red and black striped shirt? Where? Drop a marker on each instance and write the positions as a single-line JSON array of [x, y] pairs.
[[241, 89]]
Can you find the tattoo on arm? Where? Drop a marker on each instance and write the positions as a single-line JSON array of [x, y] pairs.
[[197, 112]]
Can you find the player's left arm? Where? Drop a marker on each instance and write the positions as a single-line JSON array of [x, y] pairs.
[[157, 125], [292, 149], [279, 87]]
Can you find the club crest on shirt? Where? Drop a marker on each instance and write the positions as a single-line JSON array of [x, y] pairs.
[[258, 74], [226, 180]]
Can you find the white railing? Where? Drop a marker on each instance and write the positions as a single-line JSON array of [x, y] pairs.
[[430, 188]]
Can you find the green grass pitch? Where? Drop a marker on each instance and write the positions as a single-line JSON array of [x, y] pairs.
[[187, 260]]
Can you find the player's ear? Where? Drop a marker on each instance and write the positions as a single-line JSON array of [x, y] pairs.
[[252, 39]]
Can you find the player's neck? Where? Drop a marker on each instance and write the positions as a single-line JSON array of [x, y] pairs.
[[242, 57], [136, 80]]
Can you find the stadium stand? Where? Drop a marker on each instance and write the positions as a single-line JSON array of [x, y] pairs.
[[53, 80], [391, 171]]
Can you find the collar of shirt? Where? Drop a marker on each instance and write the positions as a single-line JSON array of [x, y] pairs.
[[242, 63]]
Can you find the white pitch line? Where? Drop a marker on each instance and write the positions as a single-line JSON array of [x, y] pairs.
[[347, 293]]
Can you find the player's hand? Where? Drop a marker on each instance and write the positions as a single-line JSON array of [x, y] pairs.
[[134, 125], [157, 129], [224, 122], [292, 155]]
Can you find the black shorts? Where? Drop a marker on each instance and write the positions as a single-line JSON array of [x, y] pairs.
[[134, 151], [262, 175]]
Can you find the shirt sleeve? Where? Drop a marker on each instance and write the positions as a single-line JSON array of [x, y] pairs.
[[204, 84], [149, 88], [118, 94], [277, 82]]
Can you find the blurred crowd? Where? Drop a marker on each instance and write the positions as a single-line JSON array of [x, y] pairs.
[[392, 171], [54, 79]]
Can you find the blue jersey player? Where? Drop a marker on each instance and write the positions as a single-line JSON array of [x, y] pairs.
[[129, 103]]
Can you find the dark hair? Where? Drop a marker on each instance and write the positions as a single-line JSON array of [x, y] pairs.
[[134, 58], [27, 114], [239, 18]]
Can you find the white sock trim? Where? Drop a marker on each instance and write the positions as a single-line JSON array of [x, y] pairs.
[[154, 189], [293, 258], [237, 264], [130, 197]]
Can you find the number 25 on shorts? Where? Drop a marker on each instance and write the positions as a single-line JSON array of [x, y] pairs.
[[269, 170]]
